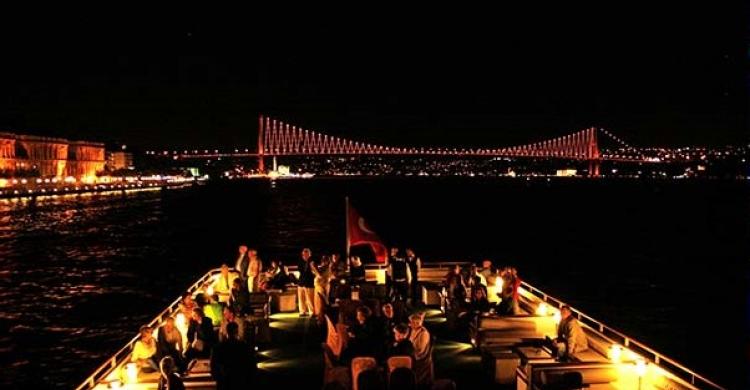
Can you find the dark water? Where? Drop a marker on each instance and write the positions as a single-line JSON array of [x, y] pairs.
[[666, 262]]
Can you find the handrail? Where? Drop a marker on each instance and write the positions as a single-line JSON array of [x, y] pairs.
[[118, 357], [627, 341]]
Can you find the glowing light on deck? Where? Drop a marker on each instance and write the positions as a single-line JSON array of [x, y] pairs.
[[640, 367], [615, 353], [380, 276], [131, 370], [541, 310], [115, 384]]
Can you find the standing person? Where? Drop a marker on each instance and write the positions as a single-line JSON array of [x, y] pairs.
[[321, 284], [338, 267], [306, 284], [454, 284], [338, 270], [222, 286], [233, 362], [356, 271], [516, 285], [415, 264], [254, 269], [398, 271], [506, 306], [242, 262]]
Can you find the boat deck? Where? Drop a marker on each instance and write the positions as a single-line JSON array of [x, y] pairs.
[[294, 355]]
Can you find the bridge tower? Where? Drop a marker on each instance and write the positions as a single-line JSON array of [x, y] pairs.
[[593, 153], [261, 147]]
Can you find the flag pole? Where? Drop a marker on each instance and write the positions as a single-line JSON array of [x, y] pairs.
[[346, 200]]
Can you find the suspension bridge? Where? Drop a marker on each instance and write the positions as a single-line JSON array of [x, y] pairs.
[[277, 138]]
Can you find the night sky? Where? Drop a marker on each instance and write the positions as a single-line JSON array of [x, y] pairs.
[[654, 76]]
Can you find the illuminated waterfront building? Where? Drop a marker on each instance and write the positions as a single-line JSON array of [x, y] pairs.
[[119, 160], [29, 155]]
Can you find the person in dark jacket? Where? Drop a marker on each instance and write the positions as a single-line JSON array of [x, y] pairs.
[[387, 322], [415, 263], [479, 301], [169, 343], [276, 276], [362, 335], [240, 297], [399, 275], [233, 362], [400, 345], [356, 271], [201, 336]]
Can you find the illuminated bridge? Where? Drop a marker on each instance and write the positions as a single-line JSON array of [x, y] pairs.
[[277, 138]]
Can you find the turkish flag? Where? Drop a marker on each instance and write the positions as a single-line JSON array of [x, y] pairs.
[[361, 234]]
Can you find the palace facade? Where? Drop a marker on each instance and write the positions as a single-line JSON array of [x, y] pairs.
[[24, 155]]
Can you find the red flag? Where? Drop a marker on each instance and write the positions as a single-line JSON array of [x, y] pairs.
[[359, 233]]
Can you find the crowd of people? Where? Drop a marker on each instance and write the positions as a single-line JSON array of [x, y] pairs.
[[468, 292], [212, 324]]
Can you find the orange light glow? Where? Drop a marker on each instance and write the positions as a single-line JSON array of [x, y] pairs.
[[131, 370], [640, 367], [615, 353]]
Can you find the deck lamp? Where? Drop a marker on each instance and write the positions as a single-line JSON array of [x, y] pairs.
[[131, 370], [640, 370], [557, 317], [115, 384], [541, 310], [640, 367], [615, 353]]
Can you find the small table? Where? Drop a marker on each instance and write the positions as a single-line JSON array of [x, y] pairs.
[[530, 355], [535, 355]]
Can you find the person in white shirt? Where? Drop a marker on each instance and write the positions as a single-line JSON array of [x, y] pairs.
[[222, 286], [254, 269], [241, 264]]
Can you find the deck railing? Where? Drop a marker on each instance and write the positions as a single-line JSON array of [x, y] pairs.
[[655, 357], [115, 360]]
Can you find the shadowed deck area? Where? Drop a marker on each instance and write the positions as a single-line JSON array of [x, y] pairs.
[[296, 358]]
